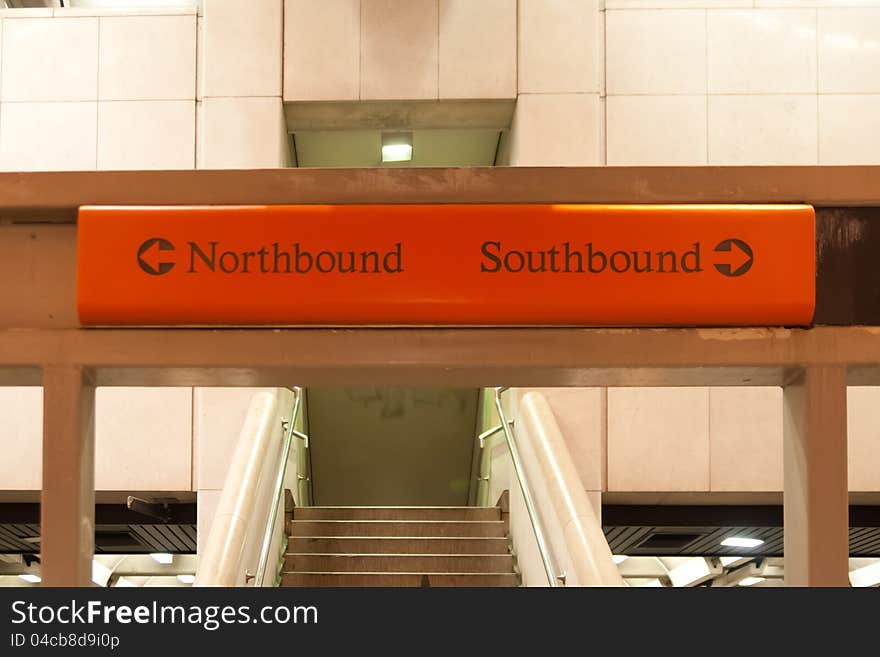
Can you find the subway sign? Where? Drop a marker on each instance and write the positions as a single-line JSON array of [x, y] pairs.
[[523, 265]]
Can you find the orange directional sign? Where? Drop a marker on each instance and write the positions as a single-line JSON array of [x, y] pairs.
[[588, 265]]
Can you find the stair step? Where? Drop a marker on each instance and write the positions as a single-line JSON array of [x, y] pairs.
[[398, 545], [400, 563], [320, 579], [408, 528], [397, 513]]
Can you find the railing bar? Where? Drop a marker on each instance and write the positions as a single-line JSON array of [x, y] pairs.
[[279, 491], [554, 576]]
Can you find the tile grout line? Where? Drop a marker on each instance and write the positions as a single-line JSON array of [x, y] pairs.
[[709, 438], [197, 78], [816, 17], [2, 61], [98, 93], [437, 68], [603, 87], [706, 78], [193, 482]]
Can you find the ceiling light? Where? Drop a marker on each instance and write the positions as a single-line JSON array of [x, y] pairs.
[[397, 147], [727, 561], [749, 581], [619, 558], [162, 557], [866, 576], [31, 578], [742, 542], [187, 579]]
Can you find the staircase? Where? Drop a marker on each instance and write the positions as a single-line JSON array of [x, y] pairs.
[[398, 546]]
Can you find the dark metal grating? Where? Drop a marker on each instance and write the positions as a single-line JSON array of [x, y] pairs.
[[664, 530], [118, 530]]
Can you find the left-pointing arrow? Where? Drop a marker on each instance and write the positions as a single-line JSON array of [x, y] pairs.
[[148, 256]]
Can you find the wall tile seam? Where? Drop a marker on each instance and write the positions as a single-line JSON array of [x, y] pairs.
[[283, 47], [2, 59], [870, 93], [437, 64], [150, 100], [195, 55], [73, 12], [98, 94], [213, 97], [706, 78], [516, 42], [818, 77], [193, 455], [604, 474], [654, 7], [709, 436], [130, 99], [546, 93]]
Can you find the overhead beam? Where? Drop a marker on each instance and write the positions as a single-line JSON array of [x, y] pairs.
[[57, 195], [422, 356]]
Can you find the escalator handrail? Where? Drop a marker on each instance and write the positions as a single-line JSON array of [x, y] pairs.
[[278, 491], [555, 576]]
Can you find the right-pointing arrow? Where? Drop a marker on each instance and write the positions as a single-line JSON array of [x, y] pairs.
[[726, 246]]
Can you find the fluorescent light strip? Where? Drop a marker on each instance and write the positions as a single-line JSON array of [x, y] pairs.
[[619, 558], [742, 542], [187, 579], [31, 578], [750, 581], [162, 557]]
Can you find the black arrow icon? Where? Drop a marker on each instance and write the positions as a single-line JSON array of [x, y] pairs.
[[154, 268], [726, 246]]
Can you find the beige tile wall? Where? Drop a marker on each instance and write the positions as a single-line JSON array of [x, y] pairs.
[[22, 438], [80, 90], [399, 46], [242, 48], [658, 439], [218, 416], [556, 129], [143, 439], [349, 50], [782, 82], [240, 116], [477, 49], [558, 117], [322, 50], [723, 439]]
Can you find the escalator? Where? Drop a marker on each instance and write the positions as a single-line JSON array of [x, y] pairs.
[[421, 487]]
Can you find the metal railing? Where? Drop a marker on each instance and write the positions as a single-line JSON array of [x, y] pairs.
[[555, 576], [278, 490]]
